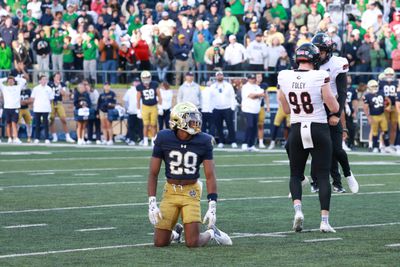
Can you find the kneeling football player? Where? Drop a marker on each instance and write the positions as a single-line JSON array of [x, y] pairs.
[[183, 148]]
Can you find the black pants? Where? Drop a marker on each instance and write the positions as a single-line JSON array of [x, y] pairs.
[[256, 67], [236, 68], [90, 126], [321, 160], [221, 115], [135, 128], [208, 123], [164, 119], [251, 130], [41, 119], [351, 127]]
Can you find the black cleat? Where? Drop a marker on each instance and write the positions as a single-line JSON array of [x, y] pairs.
[[338, 189], [179, 230]]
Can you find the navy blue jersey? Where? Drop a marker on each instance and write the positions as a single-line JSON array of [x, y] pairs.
[[182, 158], [105, 99], [375, 102], [389, 89], [351, 95], [57, 88], [263, 86], [81, 100], [25, 95], [398, 96], [149, 94]]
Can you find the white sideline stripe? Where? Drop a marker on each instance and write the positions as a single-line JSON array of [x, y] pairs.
[[322, 239], [372, 185], [204, 200], [86, 174], [25, 226], [239, 235], [72, 184], [393, 245], [41, 173], [273, 234], [96, 229], [24, 153], [273, 181], [353, 163], [130, 176]]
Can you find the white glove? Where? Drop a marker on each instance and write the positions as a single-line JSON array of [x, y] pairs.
[[160, 110], [139, 114], [211, 214], [154, 211]]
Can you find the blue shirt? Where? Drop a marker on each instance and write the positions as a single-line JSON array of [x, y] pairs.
[[375, 102], [351, 95], [148, 94], [105, 99], [389, 89], [57, 88], [182, 158]]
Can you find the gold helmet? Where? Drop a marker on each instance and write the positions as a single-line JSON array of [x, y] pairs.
[[372, 86], [185, 116], [145, 76], [381, 76], [389, 73]]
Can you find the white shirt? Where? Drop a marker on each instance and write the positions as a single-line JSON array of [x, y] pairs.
[[274, 52], [250, 105], [36, 11], [189, 92], [166, 26], [257, 53], [223, 95], [334, 67], [94, 98], [130, 100], [12, 94], [206, 100], [235, 54], [166, 96], [304, 88], [42, 96]]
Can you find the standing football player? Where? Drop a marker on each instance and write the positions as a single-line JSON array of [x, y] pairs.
[[303, 93], [351, 111], [389, 85], [148, 97], [337, 67], [183, 148], [374, 109]]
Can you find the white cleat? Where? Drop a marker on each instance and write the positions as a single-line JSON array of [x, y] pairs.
[[131, 143], [98, 142], [110, 143], [298, 221], [326, 228], [47, 142], [352, 182], [271, 145], [36, 141], [234, 145], [179, 231], [9, 141], [389, 150], [375, 150], [17, 141], [220, 145], [70, 140], [253, 149], [261, 145], [220, 237], [88, 142], [345, 147], [244, 147]]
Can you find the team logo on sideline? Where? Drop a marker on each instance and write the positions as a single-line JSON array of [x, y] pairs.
[[192, 193]]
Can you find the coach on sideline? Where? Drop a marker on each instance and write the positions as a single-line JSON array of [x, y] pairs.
[[12, 104]]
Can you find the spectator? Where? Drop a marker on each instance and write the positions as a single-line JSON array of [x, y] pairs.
[[126, 60], [313, 19], [274, 33], [249, 17], [274, 52], [8, 32], [201, 29], [254, 30], [257, 53], [57, 46], [252, 95], [299, 13], [278, 11], [89, 49], [70, 16], [108, 49], [35, 5], [21, 53], [283, 62], [199, 49], [167, 97], [68, 57], [78, 57], [364, 56], [166, 25], [332, 32], [5, 58], [396, 58], [95, 121], [135, 25], [142, 52], [378, 62], [134, 123], [224, 103], [189, 91], [56, 7], [229, 23], [42, 49], [370, 16], [162, 63], [214, 18], [107, 101], [41, 98], [82, 106], [206, 108], [395, 24], [181, 54], [84, 18], [214, 56], [237, 7], [47, 18], [235, 55], [97, 6], [350, 50]]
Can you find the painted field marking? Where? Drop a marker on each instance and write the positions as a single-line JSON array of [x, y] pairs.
[[393, 245], [71, 184], [355, 163], [273, 181], [86, 174], [204, 200], [25, 153], [371, 185], [239, 235], [25, 226], [129, 176], [41, 173], [272, 234], [96, 229], [322, 240]]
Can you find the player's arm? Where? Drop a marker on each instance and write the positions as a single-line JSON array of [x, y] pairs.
[[154, 211], [266, 99], [354, 103], [284, 104], [158, 92], [341, 85], [211, 183], [138, 97], [366, 109], [329, 98]]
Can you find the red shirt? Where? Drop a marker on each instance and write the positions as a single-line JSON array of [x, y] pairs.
[[142, 51], [129, 55]]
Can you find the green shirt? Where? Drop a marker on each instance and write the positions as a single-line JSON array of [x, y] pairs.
[[378, 58], [199, 49], [133, 26], [68, 54], [26, 19], [230, 24], [56, 45], [70, 18], [237, 8], [5, 58], [89, 50], [279, 12]]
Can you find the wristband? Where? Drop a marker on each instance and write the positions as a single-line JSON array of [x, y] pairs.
[[345, 130], [212, 197]]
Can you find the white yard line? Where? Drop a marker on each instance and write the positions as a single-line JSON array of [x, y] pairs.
[[221, 199], [393, 245], [273, 181], [353, 163], [371, 185], [96, 229], [272, 234], [322, 240], [86, 174], [129, 176], [41, 173], [25, 226], [71, 184]]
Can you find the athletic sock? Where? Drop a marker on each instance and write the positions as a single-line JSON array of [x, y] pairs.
[[297, 207], [145, 140], [260, 141], [325, 218], [175, 235]]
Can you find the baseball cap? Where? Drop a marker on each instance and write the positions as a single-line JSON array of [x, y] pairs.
[[106, 83], [228, 9], [232, 37], [84, 8], [164, 14], [219, 73], [11, 77], [189, 73], [181, 36], [251, 76]]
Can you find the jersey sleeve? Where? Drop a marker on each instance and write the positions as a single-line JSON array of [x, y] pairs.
[[157, 150], [398, 97], [365, 99], [324, 77], [208, 155], [341, 65]]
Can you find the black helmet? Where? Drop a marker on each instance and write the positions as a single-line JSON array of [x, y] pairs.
[[307, 52], [324, 43]]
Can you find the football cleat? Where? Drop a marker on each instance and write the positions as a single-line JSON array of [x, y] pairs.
[[220, 145], [261, 145], [352, 182], [17, 141], [47, 142], [9, 141], [110, 143], [69, 140], [244, 147], [345, 147], [179, 230], [271, 145], [375, 150], [220, 237], [389, 149], [326, 228], [98, 142], [36, 141], [298, 221], [338, 189], [234, 145], [253, 149], [314, 188]]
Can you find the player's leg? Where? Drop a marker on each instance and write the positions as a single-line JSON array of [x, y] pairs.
[[338, 153], [28, 123], [46, 127], [279, 117], [260, 128], [153, 123], [146, 124], [383, 125], [52, 124], [392, 123], [218, 119], [228, 117]]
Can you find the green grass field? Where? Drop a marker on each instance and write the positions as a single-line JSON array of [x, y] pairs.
[[56, 191]]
